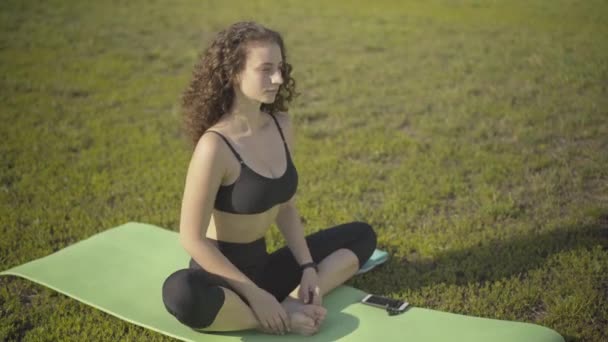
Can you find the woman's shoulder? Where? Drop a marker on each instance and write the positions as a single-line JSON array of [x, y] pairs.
[[283, 118], [211, 145], [210, 154], [282, 115]]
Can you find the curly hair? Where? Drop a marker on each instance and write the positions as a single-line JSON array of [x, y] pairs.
[[210, 93]]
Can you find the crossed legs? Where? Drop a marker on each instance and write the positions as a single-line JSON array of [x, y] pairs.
[[339, 251]]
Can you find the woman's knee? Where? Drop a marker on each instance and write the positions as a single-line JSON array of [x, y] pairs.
[[189, 298], [365, 242], [366, 233]]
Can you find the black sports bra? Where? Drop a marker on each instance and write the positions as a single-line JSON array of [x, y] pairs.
[[253, 193]]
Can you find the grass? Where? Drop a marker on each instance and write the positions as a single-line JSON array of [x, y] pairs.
[[470, 134]]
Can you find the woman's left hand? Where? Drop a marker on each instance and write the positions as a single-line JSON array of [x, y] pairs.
[[309, 285]]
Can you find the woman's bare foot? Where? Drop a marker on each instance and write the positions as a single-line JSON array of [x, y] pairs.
[[301, 324], [305, 319]]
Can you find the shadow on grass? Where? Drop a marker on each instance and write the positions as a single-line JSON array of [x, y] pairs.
[[488, 261]]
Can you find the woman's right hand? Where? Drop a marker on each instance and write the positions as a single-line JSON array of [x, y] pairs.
[[269, 312]]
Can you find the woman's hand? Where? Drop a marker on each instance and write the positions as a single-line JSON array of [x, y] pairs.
[[309, 292], [270, 313]]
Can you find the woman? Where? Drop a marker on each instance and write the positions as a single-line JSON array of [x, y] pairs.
[[240, 180]]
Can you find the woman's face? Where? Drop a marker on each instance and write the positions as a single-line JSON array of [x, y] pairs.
[[261, 78]]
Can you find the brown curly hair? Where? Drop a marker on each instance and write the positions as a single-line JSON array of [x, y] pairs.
[[210, 93]]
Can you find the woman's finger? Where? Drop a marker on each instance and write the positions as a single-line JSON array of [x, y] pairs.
[[302, 294], [278, 325], [268, 326], [317, 292], [285, 320]]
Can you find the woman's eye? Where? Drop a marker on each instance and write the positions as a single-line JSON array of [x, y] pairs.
[[270, 70]]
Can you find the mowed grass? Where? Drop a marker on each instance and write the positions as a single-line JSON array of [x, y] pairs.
[[473, 135]]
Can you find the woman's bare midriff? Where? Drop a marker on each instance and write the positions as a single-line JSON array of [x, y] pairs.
[[240, 228]]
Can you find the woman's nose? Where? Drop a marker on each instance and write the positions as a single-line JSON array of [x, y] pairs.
[[277, 77]]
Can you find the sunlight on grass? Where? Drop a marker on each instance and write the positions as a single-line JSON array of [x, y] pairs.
[[470, 134]]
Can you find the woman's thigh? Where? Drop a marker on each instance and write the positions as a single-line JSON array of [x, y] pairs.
[[282, 273]]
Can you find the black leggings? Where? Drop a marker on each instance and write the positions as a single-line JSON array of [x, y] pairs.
[[194, 296]]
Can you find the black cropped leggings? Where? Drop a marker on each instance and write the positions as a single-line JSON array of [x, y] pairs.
[[194, 296]]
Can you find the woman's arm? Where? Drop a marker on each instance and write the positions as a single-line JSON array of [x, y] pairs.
[[289, 223], [288, 220]]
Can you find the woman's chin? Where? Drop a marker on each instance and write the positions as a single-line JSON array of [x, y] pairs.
[[268, 98]]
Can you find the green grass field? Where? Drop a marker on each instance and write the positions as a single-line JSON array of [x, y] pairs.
[[473, 135]]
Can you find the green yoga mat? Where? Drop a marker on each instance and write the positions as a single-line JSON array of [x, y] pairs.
[[121, 271]]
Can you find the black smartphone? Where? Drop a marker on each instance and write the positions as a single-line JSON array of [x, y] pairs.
[[384, 302]]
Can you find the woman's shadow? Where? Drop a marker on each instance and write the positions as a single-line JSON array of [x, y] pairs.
[[488, 261]]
